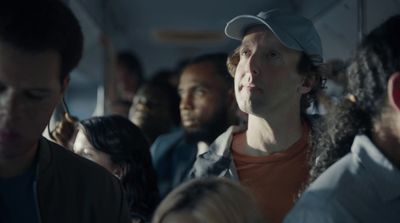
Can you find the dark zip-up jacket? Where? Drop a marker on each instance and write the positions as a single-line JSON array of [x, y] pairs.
[[70, 189]]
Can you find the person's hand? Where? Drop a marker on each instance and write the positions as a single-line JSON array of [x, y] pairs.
[[64, 131]]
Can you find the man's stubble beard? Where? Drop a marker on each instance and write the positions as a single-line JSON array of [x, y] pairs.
[[209, 131]]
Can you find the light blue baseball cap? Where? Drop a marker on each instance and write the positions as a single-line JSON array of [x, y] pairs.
[[294, 31]]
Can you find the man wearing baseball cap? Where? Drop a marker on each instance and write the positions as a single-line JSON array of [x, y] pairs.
[[276, 72]]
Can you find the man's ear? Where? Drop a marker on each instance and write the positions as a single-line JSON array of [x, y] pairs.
[[307, 84], [394, 90]]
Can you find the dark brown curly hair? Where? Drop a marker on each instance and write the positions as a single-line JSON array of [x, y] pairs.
[[376, 59]]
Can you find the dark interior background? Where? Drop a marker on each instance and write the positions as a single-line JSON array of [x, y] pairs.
[[162, 33]]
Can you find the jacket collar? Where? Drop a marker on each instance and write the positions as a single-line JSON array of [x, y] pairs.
[[221, 146], [218, 159], [44, 155], [385, 176]]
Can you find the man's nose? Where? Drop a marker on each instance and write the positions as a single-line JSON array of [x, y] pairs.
[[186, 102], [9, 101], [10, 105], [142, 105], [253, 66]]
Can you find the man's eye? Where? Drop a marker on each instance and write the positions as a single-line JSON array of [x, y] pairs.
[[36, 95], [200, 92], [180, 93], [245, 52], [272, 54]]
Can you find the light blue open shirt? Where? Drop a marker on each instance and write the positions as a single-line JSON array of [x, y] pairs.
[[363, 186]]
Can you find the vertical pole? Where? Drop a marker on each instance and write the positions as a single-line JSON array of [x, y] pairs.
[[360, 19]]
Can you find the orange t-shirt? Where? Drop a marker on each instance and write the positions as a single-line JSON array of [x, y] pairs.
[[275, 180]]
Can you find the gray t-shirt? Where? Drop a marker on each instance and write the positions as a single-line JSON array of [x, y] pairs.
[[17, 199]]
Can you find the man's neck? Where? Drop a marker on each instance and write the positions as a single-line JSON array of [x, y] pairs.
[[270, 134], [388, 142], [14, 166]]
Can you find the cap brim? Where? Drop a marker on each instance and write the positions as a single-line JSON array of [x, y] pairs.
[[235, 27]]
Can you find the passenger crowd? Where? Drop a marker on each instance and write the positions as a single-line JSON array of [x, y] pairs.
[[267, 133]]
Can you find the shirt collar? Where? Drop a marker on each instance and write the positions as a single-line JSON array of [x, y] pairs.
[[221, 146], [385, 176]]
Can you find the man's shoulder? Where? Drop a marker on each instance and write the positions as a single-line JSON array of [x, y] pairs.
[[315, 208], [339, 178], [70, 177], [73, 166], [326, 204], [328, 198], [222, 144], [169, 138], [217, 161], [166, 142]]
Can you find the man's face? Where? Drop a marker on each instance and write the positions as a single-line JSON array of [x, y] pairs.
[[266, 76], [151, 110], [29, 90], [204, 98]]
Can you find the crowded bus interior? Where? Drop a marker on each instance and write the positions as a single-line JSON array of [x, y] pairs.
[[200, 111]]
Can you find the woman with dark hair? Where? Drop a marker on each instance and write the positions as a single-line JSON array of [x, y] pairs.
[[364, 185], [367, 79], [119, 146]]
